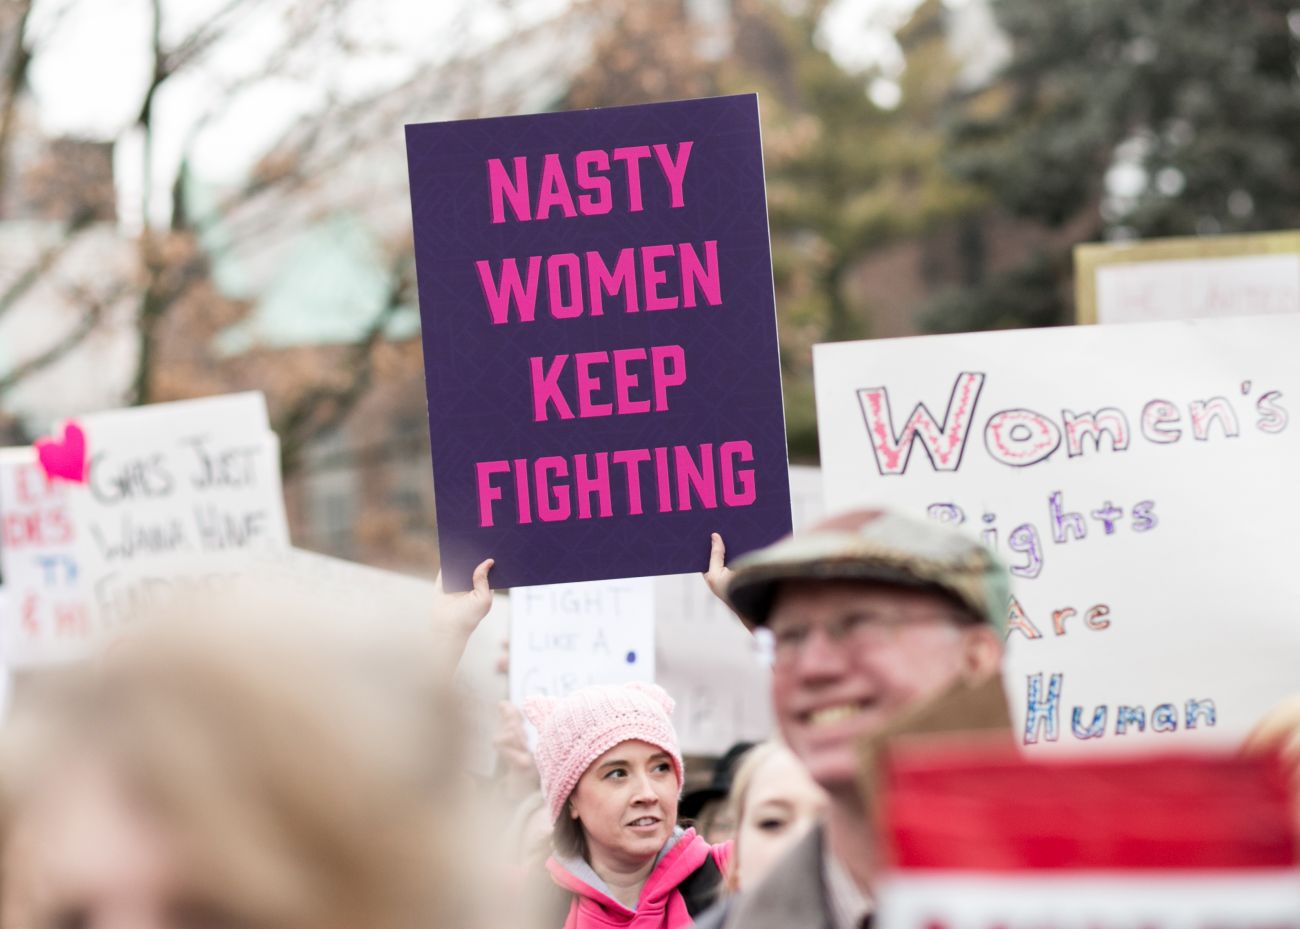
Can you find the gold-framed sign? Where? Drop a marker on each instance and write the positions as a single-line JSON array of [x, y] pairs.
[[1195, 277]]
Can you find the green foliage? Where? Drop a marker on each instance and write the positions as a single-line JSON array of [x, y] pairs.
[[1192, 105], [1203, 94], [845, 178], [1028, 295]]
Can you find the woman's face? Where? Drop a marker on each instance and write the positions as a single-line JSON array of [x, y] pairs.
[[781, 804], [627, 804]]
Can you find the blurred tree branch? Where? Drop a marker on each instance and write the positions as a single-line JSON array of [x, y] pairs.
[[15, 81], [323, 408], [43, 262], [94, 309]]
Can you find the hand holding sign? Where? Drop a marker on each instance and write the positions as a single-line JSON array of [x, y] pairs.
[[719, 575], [457, 615]]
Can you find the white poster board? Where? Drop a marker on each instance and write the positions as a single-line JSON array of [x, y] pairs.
[[1141, 899], [170, 483], [373, 595], [1141, 483], [567, 636], [47, 619], [1204, 277], [716, 670]]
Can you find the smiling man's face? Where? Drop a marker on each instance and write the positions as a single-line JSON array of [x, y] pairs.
[[850, 656]]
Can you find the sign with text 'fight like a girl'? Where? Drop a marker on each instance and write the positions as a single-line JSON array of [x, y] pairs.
[[599, 339]]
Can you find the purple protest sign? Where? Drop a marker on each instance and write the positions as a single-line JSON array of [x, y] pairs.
[[599, 340]]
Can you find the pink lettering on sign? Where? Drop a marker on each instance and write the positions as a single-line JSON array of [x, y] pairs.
[[632, 157], [654, 277], [1108, 422], [593, 171], [577, 285], [486, 492], [631, 459], [1021, 438], [674, 170], [738, 487], [508, 189], [552, 503], [589, 383], [602, 280], [557, 488], [945, 444], [555, 190], [564, 277], [36, 528], [1204, 413], [509, 289], [32, 486], [625, 380], [602, 200], [605, 385]]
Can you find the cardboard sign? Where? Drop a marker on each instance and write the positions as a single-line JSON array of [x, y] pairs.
[[600, 340], [1188, 278], [168, 484], [989, 842], [567, 636], [1140, 483], [47, 619]]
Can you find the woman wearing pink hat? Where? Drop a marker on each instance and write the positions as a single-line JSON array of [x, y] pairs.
[[612, 773]]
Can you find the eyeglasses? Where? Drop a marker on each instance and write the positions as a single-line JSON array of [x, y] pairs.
[[858, 630]]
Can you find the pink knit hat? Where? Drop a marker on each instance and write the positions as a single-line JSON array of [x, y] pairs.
[[574, 731]]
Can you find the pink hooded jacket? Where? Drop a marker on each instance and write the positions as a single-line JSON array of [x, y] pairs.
[[660, 906]]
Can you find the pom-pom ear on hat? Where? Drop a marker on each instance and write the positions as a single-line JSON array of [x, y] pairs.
[[537, 710], [654, 692]]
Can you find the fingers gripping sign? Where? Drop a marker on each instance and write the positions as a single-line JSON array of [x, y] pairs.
[[457, 615], [718, 575]]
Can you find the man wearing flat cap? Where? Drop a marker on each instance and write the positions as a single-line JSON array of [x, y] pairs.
[[870, 613]]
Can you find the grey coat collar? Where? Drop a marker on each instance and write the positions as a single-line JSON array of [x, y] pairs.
[[791, 897]]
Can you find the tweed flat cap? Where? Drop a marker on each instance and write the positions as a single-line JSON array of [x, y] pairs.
[[876, 546]]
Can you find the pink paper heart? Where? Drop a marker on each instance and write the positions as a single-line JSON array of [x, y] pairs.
[[65, 459]]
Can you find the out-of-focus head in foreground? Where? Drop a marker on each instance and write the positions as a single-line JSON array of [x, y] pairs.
[[241, 764]]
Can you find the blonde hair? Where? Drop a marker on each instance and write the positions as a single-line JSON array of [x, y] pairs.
[[743, 779], [307, 771]]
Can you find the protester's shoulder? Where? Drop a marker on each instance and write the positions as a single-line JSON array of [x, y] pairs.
[[790, 895], [805, 855], [716, 916]]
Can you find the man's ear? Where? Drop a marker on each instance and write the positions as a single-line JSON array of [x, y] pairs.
[[983, 652]]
